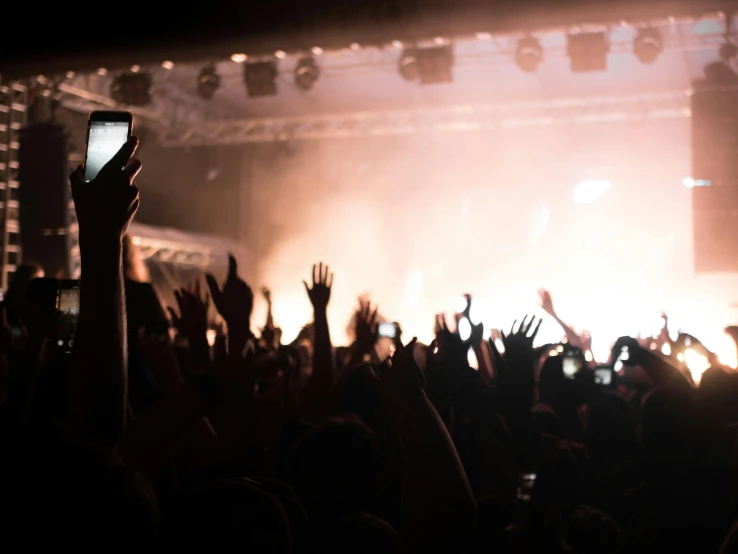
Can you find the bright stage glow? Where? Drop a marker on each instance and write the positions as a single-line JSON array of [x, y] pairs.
[[692, 183], [696, 363], [587, 192]]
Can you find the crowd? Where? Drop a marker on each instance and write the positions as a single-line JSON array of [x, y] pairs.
[[144, 439]]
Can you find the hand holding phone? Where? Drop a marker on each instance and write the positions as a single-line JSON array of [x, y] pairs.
[[107, 132], [106, 204], [387, 330]]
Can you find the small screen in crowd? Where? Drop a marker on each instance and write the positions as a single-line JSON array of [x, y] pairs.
[[603, 376], [68, 316], [106, 138]]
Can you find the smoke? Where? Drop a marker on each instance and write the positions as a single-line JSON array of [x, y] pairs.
[[419, 220]]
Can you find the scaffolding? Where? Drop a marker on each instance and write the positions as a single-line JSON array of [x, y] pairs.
[[662, 105], [13, 104]]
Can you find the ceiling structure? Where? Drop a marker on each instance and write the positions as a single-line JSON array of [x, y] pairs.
[[360, 91]]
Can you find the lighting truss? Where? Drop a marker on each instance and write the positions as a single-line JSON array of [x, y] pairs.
[[568, 111]]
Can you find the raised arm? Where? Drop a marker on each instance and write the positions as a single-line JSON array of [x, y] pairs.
[[321, 380], [439, 510], [96, 383]]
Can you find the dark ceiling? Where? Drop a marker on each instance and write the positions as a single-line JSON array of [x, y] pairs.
[[85, 35]]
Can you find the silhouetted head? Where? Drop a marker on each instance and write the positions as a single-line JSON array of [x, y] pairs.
[[360, 533], [228, 516], [334, 469], [668, 419]]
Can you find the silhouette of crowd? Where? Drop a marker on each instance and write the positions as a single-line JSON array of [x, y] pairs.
[[149, 437]]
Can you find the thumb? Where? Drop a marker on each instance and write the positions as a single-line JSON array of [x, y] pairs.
[[215, 293]]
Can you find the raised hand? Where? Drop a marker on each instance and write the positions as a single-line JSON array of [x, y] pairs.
[[192, 321], [320, 293], [366, 327], [235, 300], [523, 335], [403, 372], [106, 205], [547, 302]]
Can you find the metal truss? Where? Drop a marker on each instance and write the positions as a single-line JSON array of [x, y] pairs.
[[171, 104], [665, 105]]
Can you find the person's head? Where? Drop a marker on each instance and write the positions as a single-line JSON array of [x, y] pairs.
[[360, 533], [134, 267], [359, 394], [335, 468], [668, 419], [591, 530], [228, 516], [15, 296]]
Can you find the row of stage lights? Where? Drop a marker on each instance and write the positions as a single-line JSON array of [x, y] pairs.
[[425, 65]]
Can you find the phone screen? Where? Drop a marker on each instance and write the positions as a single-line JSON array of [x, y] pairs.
[[571, 366], [103, 141], [388, 330], [603, 376], [68, 311]]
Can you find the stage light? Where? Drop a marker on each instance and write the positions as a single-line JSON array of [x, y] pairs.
[[260, 78], [70, 75], [133, 89], [408, 65], [397, 44], [588, 51], [135, 68], [167, 65], [317, 51], [587, 192], [281, 54], [529, 54], [208, 82], [306, 73], [648, 45], [102, 71], [355, 46], [239, 58], [427, 65]]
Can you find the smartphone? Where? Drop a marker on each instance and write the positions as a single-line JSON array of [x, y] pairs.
[[387, 330], [571, 366], [603, 376], [67, 309], [106, 133]]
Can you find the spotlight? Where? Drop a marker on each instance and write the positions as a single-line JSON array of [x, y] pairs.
[[408, 65], [648, 45], [133, 89], [306, 73], [208, 82], [427, 65], [260, 78], [588, 51], [529, 54]]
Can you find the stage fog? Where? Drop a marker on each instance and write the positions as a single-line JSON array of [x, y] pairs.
[[598, 213]]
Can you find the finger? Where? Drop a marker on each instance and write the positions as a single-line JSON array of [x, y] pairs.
[[307, 287], [329, 284], [530, 324], [180, 299], [78, 176], [535, 331], [132, 169], [315, 274], [120, 160], [373, 316], [503, 335], [173, 315], [196, 289], [232, 267], [320, 273], [512, 329], [214, 289]]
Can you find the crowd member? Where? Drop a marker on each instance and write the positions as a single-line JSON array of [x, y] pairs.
[[255, 446]]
